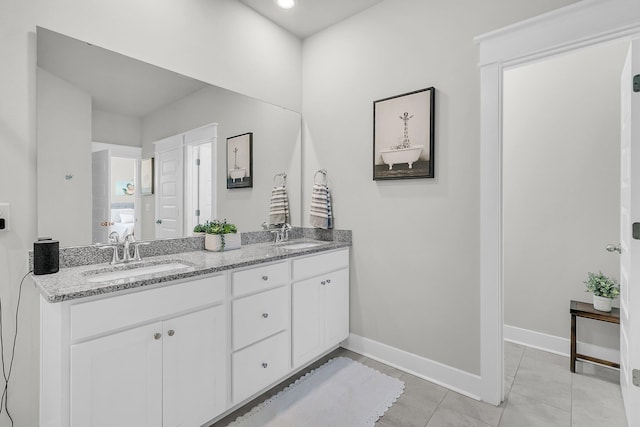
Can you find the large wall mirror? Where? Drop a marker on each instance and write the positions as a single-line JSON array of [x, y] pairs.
[[102, 115]]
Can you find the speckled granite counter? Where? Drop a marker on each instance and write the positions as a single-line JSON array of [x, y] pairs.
[[73, 282]]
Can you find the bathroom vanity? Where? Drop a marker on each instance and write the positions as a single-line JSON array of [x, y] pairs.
[[186, 345]]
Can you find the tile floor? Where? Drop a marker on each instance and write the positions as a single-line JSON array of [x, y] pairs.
[[541, 391]]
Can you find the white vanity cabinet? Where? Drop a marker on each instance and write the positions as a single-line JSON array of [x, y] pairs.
[[148, 358], [320, 304], [260, 319]]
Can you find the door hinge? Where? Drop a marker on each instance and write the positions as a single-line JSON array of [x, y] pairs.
[[635, 377], [197, 162], [635, 230], [636, 83], [197, 212]]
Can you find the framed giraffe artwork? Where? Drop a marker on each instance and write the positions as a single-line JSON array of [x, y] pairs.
[[403, 136]]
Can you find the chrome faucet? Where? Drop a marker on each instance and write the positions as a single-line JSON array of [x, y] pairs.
[[282, 234], [128, 239]]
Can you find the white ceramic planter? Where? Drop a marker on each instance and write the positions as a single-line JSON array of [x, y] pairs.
[[213, 242], [602, 303]]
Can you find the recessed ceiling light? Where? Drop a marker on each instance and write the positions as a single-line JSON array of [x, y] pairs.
[[286, 4]]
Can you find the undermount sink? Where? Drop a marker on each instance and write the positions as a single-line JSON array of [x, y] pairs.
[[301, 245], [135, 271]]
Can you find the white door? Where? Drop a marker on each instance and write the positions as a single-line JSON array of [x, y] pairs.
[[117, 380], [169, 210], [630, 247], [101, 196], [194, 367]]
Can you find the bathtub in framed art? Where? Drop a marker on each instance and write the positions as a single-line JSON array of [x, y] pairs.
[[403, 136]]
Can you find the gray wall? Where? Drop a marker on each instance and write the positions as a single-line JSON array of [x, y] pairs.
[[561, 187], [115, 128], [64, 120], [415, 263], [276, 148], [189, 37]]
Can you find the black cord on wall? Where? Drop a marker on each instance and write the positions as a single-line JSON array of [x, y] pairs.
[[4, 400]]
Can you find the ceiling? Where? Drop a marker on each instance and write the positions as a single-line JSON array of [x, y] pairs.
[[308, 17], [116, 83]]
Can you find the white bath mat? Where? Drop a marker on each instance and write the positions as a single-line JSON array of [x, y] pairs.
[[340, 393]]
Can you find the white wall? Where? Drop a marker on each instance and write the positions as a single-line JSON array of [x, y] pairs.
[[276, 148], [64, 120], [114, 128], [561, 187], [415, 258], [189, 37]]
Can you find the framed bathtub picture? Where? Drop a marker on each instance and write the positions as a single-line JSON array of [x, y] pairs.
[[240, 161], [403, 136]]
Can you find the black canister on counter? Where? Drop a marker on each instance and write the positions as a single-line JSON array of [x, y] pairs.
[[46, 256]]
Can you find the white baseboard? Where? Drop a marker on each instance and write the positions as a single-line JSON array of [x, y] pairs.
[[557, 345], [436, 372]]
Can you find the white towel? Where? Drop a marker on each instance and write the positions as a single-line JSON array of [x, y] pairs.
[[279, 207], [321, 210]]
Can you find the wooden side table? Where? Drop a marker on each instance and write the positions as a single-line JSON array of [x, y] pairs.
[[583, 309]]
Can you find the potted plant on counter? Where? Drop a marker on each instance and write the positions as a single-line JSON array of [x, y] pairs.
[[604, 290], [221, 236], [200, 229]]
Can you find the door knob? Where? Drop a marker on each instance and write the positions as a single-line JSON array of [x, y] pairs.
[[614, 248], [159, 221]]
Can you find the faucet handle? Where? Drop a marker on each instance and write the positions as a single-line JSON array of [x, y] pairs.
[[136, 254], [115, 258]]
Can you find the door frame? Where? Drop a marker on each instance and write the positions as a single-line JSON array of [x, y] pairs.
[[583, 24]]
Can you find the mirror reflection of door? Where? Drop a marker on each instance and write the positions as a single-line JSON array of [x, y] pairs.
[[115, 201], [185, 177]]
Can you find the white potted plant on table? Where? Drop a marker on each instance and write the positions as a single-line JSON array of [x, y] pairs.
[[604, 290], [221, 236]]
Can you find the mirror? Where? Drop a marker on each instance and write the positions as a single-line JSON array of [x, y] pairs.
[[91, 100]]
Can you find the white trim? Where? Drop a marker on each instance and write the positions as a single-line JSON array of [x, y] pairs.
[[557, 345], [118, 150], [586, 23], [452, 378]]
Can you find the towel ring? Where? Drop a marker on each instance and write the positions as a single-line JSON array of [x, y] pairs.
[[324, 174], [282, 175]]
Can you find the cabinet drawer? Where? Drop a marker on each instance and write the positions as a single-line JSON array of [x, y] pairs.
[[259, 365], [257, 316], [104, 315], [259, 278], [319, 264]]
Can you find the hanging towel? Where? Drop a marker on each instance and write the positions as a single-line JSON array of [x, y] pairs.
[[321, 211], [279, 207]]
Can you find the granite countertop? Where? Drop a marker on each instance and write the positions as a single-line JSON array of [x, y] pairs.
[[73, 282]]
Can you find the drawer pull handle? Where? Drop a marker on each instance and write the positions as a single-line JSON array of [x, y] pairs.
[[323, 283], [171, 332], [265, 315], [265, 365], [328, 280], [265, 278], [157, 335]]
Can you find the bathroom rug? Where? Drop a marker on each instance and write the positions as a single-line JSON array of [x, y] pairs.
[[340, 393]]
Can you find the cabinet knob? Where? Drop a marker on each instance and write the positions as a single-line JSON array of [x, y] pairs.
[[157, 335], [265, 365], [265, 315], [328, 281], [265, 278], [171, 332], [323, 283]]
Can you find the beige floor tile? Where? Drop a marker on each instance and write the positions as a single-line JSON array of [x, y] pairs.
[[482, 411], [445, 417], [522, 411]]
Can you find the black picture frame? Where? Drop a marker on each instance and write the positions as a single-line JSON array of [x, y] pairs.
[[403, 136], [240, 161], [146, 176]]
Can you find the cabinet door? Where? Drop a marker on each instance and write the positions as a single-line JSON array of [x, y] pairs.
[[194, 367], [307, 301], [117, 380], [336, 307]]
